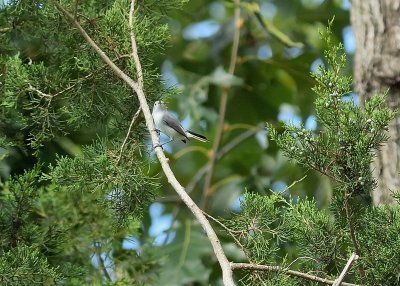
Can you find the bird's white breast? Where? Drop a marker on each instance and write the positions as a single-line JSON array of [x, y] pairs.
[[157, 116]]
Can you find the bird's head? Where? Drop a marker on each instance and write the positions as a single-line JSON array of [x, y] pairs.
[[159, 104]]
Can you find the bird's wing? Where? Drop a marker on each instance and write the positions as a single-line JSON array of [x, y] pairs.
[[174, 123]]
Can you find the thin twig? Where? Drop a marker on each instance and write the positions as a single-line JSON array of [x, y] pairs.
[[128, 133], [346, 269], [232, 234], [248, 266], [79, 80], [138, 71], [41, 93], [100, 260], [221, 153], [217, 247], [222, 108], [88, 76], [299, 258], [353, 235], [292, 184]]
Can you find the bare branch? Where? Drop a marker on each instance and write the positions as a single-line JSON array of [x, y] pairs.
[[346, 269], [135, 54], [40, 93], [222, 107], [100, 260], [217, 247], [137, 113], [138, 71], [286, 191], [248, 266]]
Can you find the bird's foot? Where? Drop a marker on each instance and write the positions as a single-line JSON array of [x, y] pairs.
[[158, 145]]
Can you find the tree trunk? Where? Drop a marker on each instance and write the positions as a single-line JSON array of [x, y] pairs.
[[376, 25]]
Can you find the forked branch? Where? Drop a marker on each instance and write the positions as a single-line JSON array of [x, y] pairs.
[[217, 247]]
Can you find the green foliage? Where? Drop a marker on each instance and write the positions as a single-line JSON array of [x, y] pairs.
[[79, 204], [17, 200], [125, 188], [55, 95], [342, 150], [380, 242], [260, 226], [29, 244], [24, 265], [66, 87]]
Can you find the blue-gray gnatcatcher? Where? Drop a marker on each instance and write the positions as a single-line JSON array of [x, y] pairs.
[[168, 124]]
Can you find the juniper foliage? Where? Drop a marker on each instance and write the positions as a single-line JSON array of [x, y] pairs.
[[317, 240], [66, 211]]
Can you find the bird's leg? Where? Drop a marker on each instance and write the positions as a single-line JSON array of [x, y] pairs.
[[160, 145]]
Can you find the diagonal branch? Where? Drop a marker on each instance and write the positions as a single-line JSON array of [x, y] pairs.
[[346, 269], [100, 260], [217, 247], [138, 72], [135, 53], [137, 113], [222, 108]]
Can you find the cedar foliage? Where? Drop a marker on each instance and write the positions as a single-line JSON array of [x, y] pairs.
[[342, 149], [73, 206]]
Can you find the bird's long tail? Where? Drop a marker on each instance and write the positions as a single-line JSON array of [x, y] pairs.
[[199, 137]]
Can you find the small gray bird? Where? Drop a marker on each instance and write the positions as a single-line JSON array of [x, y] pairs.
[[168, 124]]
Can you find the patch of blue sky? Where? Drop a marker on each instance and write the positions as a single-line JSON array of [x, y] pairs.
[[107, 263], [236, 204], [262, 138], [168, 76], [160, 224], [349, 42], [311, 123], [267, 9], [346, 4], [130, 243], [279, 186], [288, 115], [293, 52], [201, 30], [314, 67], [264, 52], [352, 97]]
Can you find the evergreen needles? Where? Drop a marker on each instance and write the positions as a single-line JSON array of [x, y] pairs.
[[342, 149]]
